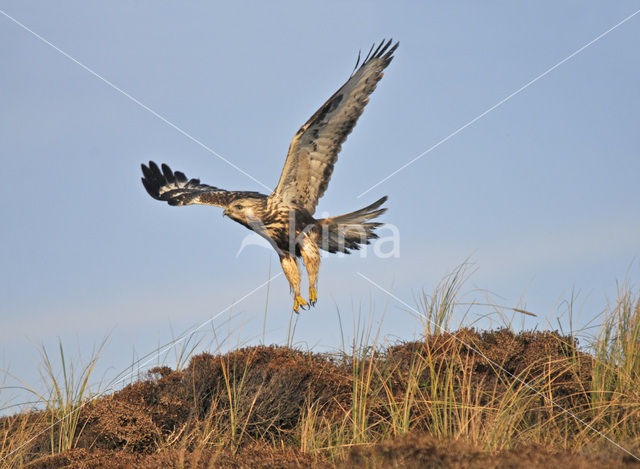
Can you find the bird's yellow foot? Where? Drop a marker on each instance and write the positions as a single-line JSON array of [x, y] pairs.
[[299, 302], [313, 296]]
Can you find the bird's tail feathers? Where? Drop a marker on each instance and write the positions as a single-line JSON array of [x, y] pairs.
[[347, 232]]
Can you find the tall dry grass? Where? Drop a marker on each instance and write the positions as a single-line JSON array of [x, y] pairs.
[[615, 386], [55, 412]]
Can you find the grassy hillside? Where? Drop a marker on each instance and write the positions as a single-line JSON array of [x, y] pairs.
[[454, 399]]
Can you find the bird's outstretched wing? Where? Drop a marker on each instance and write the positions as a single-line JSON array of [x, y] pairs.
[[314, 149], [176, 189]]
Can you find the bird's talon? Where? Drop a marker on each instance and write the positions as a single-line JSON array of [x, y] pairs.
[[300, 302], [313, 296]]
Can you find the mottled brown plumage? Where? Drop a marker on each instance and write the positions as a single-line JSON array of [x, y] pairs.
[[285, 218]]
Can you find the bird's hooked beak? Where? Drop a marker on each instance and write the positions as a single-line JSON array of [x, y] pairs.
[[225, 213]]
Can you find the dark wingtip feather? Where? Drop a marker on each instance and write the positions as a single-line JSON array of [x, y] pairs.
[[154, 179], [388, 57], [150, 179], [168, 174], [381, 51], [368, 54], [145, 171], [180, 177], [153, 189], [357, 63], [378, 49]]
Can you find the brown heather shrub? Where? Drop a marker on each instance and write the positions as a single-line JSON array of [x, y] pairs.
[[261, 406]]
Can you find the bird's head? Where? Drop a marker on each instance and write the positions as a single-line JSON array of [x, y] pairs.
[[246, 210]]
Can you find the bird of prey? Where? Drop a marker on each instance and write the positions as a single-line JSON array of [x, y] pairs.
[[285, 217]]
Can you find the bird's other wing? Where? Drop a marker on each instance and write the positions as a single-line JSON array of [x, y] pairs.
[[175, 189], [314, 149]]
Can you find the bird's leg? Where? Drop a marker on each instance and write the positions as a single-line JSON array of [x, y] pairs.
[[290, 268], [311, 257]]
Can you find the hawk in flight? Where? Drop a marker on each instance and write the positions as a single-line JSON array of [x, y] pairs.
[[285, 218]]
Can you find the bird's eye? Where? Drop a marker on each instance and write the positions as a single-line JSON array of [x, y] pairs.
[[238, 206]]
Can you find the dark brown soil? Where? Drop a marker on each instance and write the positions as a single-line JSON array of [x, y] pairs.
[[424, 451], [275, 387]]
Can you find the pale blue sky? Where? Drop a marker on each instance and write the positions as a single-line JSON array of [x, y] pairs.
[[542, 192]]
